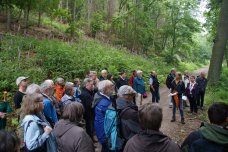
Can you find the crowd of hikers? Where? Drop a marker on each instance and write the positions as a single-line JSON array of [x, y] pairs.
[[70, 117]]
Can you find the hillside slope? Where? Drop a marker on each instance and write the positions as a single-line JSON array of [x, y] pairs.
[[42, 59]]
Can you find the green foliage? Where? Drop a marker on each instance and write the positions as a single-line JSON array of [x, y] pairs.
[[219, 93], [97, 24], [60, 12], [75, 28], [43, 59]]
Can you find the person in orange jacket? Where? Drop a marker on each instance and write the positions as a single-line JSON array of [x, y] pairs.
[[60, 88]]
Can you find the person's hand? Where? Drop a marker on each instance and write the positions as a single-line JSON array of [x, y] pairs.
[[47, 129], [2, 115]]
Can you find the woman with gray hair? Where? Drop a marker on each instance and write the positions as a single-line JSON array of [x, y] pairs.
[[101, 103], [33, 88], [151, 139]]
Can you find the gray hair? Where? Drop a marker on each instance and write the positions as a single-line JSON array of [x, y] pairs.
[[150, 116], [125, 90], [59, 80], [33, 88], [86, 81], [69, 84], [46, 85], [102, 86], [68, 87]]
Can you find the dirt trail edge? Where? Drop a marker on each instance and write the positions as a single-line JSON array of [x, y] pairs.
[[175, 130]]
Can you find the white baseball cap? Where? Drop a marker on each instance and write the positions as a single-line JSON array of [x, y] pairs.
[[19, 79]]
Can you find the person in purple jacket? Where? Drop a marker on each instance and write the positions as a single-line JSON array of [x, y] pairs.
[[192, 92]]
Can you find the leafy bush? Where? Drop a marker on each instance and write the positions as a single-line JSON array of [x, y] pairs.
[[42, 59], [97, 23]]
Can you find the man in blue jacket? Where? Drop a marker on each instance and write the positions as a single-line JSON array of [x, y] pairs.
[[102, 102], [47, 89]]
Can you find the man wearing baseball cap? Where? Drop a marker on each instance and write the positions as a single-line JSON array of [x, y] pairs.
[[22, 83], [128, 112]]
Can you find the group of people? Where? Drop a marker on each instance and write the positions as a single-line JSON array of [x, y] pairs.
[[65, 116], [185, 88]]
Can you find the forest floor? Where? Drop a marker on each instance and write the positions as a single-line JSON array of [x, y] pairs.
[[175, 130]]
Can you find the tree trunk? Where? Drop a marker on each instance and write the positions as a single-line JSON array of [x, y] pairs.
[[111, 9], [39, 18], [27, 11], [72, 11], [226, 56], [8, 16], [219, 47]]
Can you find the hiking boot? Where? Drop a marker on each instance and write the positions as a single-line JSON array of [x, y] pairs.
[[182, 121], [173, 119]]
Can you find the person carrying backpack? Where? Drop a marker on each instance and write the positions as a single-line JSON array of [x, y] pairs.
[[121, 122], [210, 137], [100, 105], [128, 112], [38, 135]]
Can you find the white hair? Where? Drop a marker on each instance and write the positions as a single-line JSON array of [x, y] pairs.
[[69, 84], [33, 88], [46, 85], [102, 85], [139, 71], [104, 71]]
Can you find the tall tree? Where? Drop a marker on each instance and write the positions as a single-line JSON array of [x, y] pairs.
[[219, 47]]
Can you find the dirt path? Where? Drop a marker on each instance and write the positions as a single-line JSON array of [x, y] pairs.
[[176, 130]]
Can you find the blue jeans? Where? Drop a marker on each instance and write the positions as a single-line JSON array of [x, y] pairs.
[[180, 107]]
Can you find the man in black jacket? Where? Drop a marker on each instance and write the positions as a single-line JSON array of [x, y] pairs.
[[154, 87], [86, 100], [202, 84], [169, 80], [122, 80]]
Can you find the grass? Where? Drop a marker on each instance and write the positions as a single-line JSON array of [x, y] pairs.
[[216, 93]]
